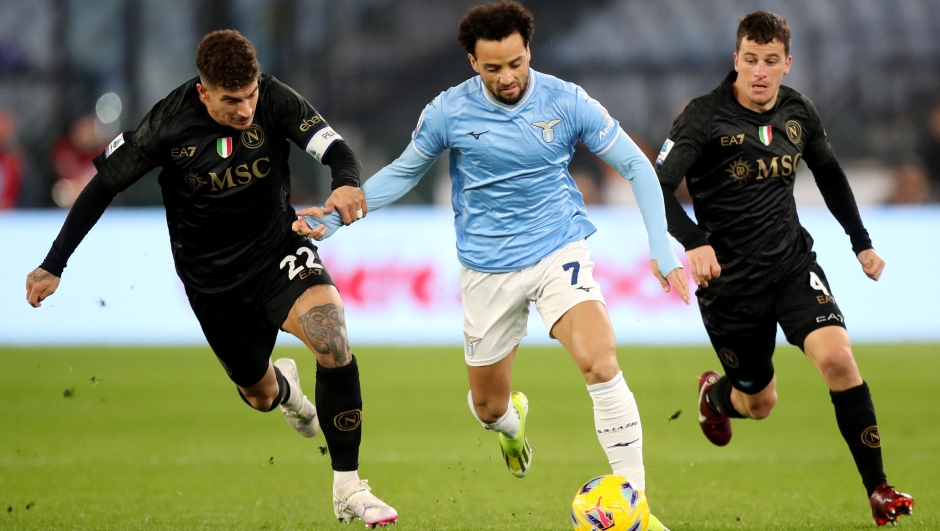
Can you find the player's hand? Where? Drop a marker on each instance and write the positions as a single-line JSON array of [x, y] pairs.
[[302, 228], [39, 285], [350, 202], [704, 264], [872, 264], [676, 277]]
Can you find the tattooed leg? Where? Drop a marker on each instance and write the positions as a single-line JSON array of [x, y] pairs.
[[325, 329]]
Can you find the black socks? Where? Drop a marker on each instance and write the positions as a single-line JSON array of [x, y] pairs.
[[718, 398], [855, 415], [339, 407], [283, 391]]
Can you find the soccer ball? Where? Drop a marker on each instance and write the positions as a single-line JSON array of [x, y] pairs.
[[609, 503]]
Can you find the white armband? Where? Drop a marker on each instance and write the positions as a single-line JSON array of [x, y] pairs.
[[321, 141]]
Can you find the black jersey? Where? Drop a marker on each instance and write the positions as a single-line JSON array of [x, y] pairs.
[[226, 191], [740, 167]]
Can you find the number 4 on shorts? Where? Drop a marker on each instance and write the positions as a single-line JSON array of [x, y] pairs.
[[574, 274], [816, 283]]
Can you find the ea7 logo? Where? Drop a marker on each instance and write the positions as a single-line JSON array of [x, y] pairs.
[[187, 151], [831, 317]]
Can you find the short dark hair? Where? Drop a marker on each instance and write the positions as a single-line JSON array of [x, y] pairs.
[[764, 27], [227, 59], [494, 22]]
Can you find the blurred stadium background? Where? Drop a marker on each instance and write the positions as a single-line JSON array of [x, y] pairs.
[[73, 73]]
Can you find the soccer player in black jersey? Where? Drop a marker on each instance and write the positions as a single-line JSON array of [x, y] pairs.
[[221, 140], [738, 149]]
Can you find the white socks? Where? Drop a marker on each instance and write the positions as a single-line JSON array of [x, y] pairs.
[[617, 421], [341, 478], [508, 424]]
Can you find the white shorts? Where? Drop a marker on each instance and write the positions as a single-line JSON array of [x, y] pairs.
[[496, 305]]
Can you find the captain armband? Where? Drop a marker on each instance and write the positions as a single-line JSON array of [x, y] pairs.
[[320, 141]]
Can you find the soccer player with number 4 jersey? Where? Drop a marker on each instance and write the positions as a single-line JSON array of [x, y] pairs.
[[738, 149], [522, 227]]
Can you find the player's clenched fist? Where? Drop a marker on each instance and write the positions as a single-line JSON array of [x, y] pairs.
[[350, 202], [39, 285], [704, 264]]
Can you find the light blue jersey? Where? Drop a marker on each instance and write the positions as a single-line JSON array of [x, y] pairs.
[[513, 198]]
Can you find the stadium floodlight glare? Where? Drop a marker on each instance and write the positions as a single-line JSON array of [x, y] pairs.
[[108, 107]]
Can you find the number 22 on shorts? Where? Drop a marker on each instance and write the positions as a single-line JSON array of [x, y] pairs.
[[291, 260]]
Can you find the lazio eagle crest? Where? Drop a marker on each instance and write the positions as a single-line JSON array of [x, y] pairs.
[[548, 128]]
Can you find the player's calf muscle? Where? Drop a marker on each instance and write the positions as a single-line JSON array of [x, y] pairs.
[[325, 329]]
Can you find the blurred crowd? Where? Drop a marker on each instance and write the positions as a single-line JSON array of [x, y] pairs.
[[66, 168], [915, 176]]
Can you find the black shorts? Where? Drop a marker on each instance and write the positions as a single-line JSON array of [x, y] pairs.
[[242, 325], [743, 329]]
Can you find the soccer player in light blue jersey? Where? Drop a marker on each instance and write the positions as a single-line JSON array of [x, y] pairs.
[[522, 227]]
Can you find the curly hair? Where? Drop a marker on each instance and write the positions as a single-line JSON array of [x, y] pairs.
[[494, 22], [764, 27], [226, 59]]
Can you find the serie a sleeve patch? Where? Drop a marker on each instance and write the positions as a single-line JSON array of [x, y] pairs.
[[664, 152], [112, 147]]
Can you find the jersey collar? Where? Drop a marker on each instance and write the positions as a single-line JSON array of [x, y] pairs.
[[533, 76]]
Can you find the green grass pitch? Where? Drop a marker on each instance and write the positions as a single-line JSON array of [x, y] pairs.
[[158, 439]]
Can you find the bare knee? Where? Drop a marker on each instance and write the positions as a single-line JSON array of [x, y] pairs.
[[759, 406], [601, 368], [489, 410], [259, 401], [838, 368]]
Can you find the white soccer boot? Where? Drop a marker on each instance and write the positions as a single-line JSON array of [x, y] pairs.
[[303, 421], [354, 499]]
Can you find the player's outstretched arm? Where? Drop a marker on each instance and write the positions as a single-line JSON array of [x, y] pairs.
[[382, 189], [90, 204], [625, 157]]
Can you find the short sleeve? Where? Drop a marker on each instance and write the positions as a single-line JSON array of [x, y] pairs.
[[299, 121], [687, 139], [430, 135], [132, 154], [597, 129], [818, 150]]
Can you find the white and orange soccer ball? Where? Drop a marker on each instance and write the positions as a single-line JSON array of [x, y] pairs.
[[609, 503]]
